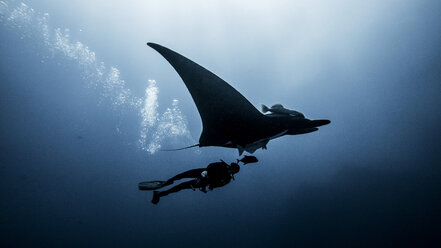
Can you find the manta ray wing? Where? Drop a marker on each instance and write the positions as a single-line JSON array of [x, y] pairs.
[[227, 116]]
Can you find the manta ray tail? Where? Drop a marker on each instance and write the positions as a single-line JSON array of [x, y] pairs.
[[264, 108], [178, 149]]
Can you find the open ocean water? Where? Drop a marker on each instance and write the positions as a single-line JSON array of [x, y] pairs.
[[86, 107]]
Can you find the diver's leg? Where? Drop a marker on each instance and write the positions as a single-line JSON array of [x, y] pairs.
[[185, 185], [194, 173]]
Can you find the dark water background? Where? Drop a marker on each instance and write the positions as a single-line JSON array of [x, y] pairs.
[[70, 162]]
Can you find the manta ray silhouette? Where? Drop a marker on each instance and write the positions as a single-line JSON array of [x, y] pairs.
[[228, 118]]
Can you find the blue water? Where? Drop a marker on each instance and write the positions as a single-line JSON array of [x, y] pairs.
[[86, 106]]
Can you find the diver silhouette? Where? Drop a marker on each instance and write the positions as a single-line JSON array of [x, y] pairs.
[[215, 175]]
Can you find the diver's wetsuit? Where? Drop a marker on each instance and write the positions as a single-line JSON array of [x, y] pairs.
[[217, 175]]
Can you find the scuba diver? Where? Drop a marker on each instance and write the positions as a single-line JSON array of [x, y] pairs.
[[215, 175]]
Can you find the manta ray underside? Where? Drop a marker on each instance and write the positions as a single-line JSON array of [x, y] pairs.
[[228, 118]]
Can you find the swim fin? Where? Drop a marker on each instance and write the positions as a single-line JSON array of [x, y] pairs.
[[151, 185]]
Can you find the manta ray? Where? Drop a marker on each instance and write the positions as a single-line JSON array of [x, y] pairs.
[[228, 118]]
